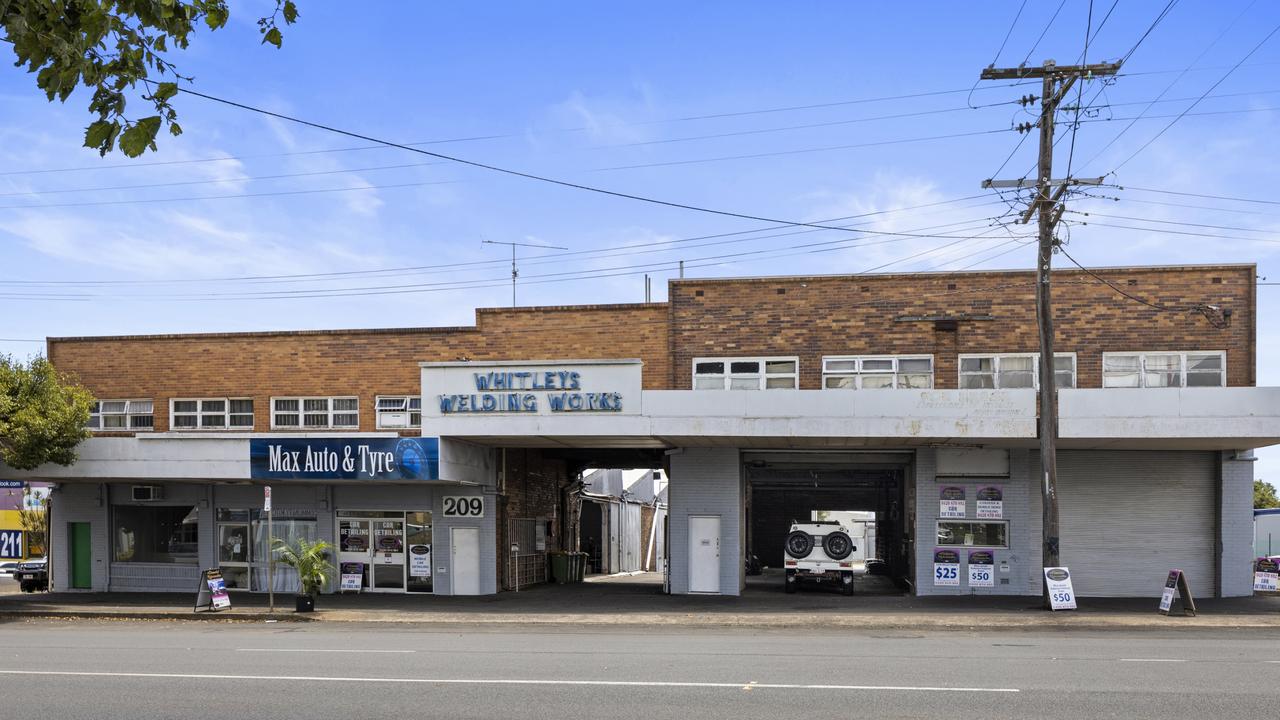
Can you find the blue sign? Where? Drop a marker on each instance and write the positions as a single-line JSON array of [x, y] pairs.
[[10, 544], [12, 484], [344, 459]]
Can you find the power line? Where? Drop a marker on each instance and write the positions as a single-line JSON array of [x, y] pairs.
[[1178, 232], [1211, 313], [1154, 24], [1043, 32], [1191, 194], [1185, 206], [1169, 222], [498, 169], [1084, 60], [1197, 102]]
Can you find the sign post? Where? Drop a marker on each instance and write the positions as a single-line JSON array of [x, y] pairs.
[[1058, 582], [271, 551]]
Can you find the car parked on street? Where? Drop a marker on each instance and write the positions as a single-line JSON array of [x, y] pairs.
[[33, 575], [818, 553]]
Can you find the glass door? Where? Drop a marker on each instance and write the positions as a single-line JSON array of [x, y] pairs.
[[355, 551], [418, 529], [388, 555]]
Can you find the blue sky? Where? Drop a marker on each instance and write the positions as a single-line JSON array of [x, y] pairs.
[[587, 91]]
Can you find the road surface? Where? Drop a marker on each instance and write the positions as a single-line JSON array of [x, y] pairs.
[[142, 670]]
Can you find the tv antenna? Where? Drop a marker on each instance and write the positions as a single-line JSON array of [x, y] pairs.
[[515, 273]]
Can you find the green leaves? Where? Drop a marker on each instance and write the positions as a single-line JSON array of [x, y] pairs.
[[113, 49], [141, 135], [42, 414]]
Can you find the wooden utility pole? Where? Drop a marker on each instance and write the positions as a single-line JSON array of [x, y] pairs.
[[1056, 82]]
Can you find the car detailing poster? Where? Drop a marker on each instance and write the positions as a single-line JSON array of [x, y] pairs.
[[1061, 595], [420, 561], [951, 504], [982, 568], [946, 568], [990, 502], [352, 576], [1265, 574]]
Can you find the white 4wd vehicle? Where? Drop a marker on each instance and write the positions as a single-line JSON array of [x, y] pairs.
[[819, 552]]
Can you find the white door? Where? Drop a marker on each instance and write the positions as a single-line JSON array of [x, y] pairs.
[[704, 554], [465, 548]]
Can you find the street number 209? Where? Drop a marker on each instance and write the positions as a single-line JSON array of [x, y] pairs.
[[472, 506]]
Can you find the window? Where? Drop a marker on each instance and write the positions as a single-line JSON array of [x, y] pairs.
[[1164, 369], [973, 534], [763, 373], [1018, 370], [211, 414], [154, 534], [875, 372], [234, 547], [399, 411], [121, 415], [313, 413]]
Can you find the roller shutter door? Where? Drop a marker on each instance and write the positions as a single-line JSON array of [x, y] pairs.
[[1128, 517]]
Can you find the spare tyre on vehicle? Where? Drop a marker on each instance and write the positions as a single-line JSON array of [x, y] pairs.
[[838, 545], [799, 544]]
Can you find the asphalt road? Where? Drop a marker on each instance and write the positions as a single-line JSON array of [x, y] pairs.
[[137, 670]]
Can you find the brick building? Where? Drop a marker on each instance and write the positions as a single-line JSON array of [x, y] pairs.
[[858, 393]]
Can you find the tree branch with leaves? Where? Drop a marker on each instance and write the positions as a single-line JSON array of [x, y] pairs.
[[42, 414], [119, 50]]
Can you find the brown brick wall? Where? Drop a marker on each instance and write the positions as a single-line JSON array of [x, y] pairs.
[[811, 317], [361, 363]]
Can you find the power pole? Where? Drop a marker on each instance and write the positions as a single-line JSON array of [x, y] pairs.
[[515, 273], [1056, 82]]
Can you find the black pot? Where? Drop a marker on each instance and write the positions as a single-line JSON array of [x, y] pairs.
[[304, 603]]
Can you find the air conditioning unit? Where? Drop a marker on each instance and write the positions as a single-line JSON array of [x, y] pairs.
[[142, 493]]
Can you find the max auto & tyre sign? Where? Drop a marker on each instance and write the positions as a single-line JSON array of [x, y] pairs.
[[344, 459]]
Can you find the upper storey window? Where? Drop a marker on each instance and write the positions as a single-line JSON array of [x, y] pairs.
[[877, 372], [315, 413], [122, 415], [1015, 370], [1164, 369], [758, 373], [399, 411], [211, 413]]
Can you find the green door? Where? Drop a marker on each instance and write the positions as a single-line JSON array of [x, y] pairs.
[[81, 549]]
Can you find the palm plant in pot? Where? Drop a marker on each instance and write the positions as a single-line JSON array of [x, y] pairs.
[[311, 561]]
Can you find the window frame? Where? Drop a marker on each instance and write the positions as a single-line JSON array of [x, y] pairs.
[[1183, 370], [995, 369], [763, 375], [938, 523], [859, 373], [302, 412], [408, 410], [200, 413], [95, 412]]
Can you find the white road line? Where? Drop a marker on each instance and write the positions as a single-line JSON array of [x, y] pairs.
[[307, 650], [503, 681], [1151, 660]]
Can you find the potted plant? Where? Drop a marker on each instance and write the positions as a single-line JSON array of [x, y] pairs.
[[311, 561]]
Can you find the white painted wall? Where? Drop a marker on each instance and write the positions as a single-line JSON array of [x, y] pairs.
[[707, 481]]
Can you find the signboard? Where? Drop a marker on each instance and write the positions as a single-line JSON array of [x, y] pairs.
[[982, 568], [1266, 572], [11, 544], [951, 503], [420, 560], [211, 593], [1176, 583], [464, 506], [266, 498], [946, 568], [12, 484], [352, 576], [1058, 582], [344, 459], [532, 387], [990, 503]]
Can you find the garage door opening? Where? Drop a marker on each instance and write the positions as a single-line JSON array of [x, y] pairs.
[[862, 495]]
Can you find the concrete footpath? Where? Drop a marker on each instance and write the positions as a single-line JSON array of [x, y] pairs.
[[639, 602]]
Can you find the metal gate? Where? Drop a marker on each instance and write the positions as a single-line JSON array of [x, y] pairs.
[[1129, 517], [527, 554]]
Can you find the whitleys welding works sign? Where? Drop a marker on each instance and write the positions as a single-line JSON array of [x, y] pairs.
[[531, 388], [344, 459]]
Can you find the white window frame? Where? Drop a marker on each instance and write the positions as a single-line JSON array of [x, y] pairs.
[[406, 408], [1183, 372], [860, 373], [302, 412], [995, 368], [762, 376], [128, 413], [200, 414]]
